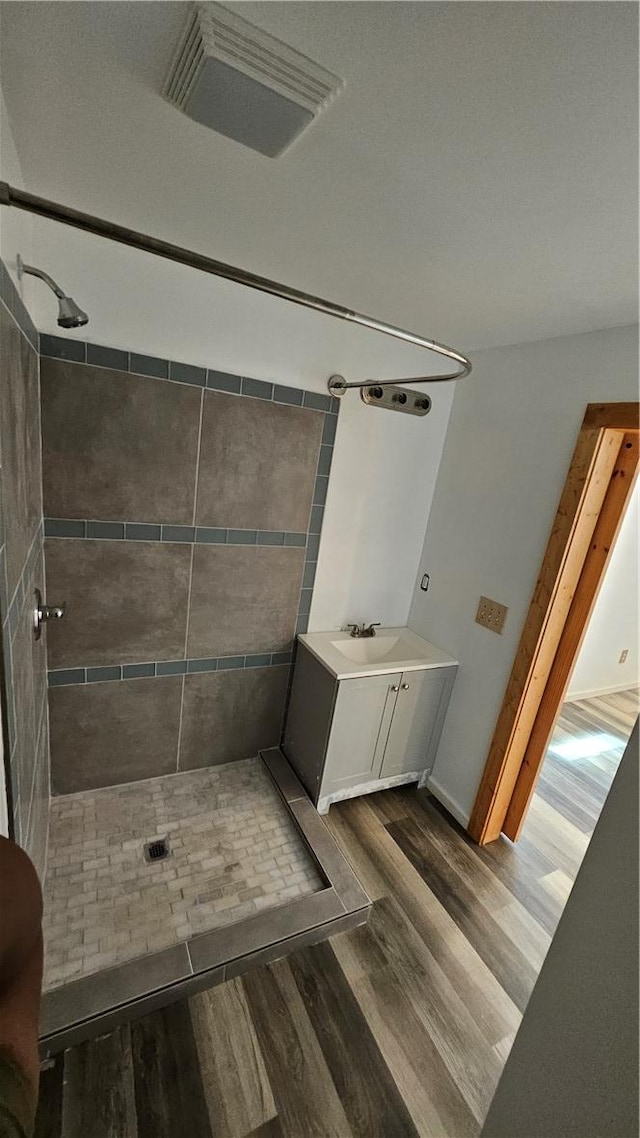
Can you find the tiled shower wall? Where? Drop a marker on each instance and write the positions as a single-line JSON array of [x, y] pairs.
[[183, 509], [24, 692]]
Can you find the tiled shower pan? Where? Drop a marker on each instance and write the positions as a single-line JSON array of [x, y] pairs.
[[136, 868], [250, 874]]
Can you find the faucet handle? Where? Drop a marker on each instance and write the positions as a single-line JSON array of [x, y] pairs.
[[355, 631], [43, 612], [371, 630]]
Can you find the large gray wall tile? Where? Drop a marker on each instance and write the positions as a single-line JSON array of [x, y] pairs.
[[257, 463], [33, 464], [126, 601], [25, 713], [36, 838], [104, 734], [117, 446], [243, 599], [34, 742], [24, 684], [19, 445], [231, 715], [16, 791], [38, 647], [21, 512]]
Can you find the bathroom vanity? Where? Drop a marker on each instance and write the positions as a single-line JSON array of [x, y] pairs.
[[365, 713]]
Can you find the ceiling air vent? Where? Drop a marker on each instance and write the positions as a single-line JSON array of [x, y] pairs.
[[244, 83]]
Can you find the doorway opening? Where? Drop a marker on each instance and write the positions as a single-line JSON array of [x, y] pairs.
[[592, 506]]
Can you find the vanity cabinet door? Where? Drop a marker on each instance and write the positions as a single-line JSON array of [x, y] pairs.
[[361, 720], [411, 741]]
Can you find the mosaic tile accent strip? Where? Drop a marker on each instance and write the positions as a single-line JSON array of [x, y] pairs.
[[158, 531], [80, 351], [58, 677], [234, 852]]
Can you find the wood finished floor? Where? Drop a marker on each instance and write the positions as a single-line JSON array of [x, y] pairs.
[[399, 1028]]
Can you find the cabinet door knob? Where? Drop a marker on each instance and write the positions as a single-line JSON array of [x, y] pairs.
[[394, 687], [405, 687]]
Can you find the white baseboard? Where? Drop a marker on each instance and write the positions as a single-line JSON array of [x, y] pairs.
[[573, 697], [449, 803]]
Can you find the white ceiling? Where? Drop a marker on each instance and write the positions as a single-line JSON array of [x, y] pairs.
[[475, 181]]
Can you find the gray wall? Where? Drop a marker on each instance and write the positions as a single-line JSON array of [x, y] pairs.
[[573, 1069], [183, 510], [21, 570]]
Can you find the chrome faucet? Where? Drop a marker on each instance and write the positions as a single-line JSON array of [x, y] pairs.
[[366, 631]]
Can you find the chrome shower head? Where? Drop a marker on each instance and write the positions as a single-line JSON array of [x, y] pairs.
[[70, 315]]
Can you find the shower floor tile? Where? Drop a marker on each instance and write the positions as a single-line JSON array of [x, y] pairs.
[[234, 852]]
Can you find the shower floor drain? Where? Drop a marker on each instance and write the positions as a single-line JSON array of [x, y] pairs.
[[157, 850]]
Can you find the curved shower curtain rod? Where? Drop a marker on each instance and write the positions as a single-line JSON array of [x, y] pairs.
[[20, 199]]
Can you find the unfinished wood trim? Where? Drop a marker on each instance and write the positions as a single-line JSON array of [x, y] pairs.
[[619, 416], [580, 504], [595, 566]]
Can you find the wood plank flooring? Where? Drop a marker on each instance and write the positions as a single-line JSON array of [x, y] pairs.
[[400, 1028]]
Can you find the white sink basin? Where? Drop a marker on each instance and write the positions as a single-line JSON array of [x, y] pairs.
[[368, 650], [390, 650]]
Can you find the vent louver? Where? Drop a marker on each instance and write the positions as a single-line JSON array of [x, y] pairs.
[[236, 79]]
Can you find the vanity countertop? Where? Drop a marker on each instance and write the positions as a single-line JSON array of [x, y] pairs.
[[390, 650]]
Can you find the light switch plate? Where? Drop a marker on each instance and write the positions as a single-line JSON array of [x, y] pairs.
[[491, 614]]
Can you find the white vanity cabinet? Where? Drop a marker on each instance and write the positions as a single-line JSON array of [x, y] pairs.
[[348, 735]]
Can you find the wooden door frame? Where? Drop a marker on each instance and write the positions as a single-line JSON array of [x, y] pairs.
[[598, 486]]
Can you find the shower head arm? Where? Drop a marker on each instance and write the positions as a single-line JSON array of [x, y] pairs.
[[70, 315], [32, 271]]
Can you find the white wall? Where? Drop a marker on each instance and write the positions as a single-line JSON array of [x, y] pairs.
[[511, 435], [573, 1068], [614, 621], [382, 481], [16, 228], [385, 464]]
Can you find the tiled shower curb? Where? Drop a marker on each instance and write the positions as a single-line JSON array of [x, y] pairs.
[[95, 1004]]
